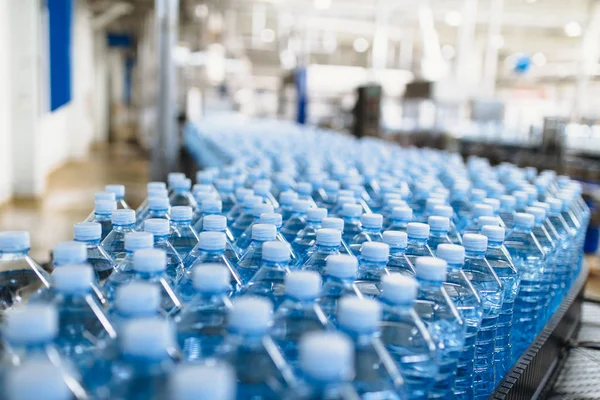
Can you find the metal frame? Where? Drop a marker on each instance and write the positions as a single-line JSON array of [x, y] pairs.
[[531, 374]]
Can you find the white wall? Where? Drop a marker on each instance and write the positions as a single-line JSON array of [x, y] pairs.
[[5, 150]]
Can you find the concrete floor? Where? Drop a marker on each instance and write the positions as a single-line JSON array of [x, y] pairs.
[[69, 197]]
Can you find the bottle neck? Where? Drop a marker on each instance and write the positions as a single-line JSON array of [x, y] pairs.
[[397, 251], [521, 229], [438, 234], [351, 220], [328, 248], [102, 216], [89, 242], [373, 263], [474, 254], [494, 244], [14, 254], [181, 223], [428, 284], [123, 227], [313, 224], [371, 230], [417, 241], [402, 307], [146, 275], [160, 238], [158, 213]]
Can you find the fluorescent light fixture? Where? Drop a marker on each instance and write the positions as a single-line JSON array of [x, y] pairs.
[[572, 29], [539, 59], [267, 35], [360, 45], [453, 18], [322, 4]]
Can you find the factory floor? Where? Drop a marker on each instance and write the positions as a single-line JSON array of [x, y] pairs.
[[69, 198]]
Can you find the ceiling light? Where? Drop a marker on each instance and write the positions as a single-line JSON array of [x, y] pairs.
[[539, 59], [360, 45], [267, 35], [453, 18], [322, 4], [572, 29]]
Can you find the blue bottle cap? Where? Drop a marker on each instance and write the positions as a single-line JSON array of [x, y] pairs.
[[36, 379], [216, 223], [138, 240], [104, 206], [331, 186], [351, 210], [395, 239], [341, 266], [264, 232], [149, 260], [14, 241], [375, 251], [493, 233], [138, 298], [110, 196], [66, 253], [251, 201], [174, 176], [215, 381], [158, 192], [451, 253], [156, 185], [212, 206], [556, 205], [73, 278], [430, 268], [181, 213], [437, 223], [508, 202], [304, 188], [524, 220], [333, 223], [211, 278], [486, 220], [372, 221], [443, 211], [158, 203], [260, 209], [182, 184], [118, 190], [481, 210], [539, 214], [157, 226], [359, 315], [201, 196], [316, 214], [212, 241], [417, 230], [474, 242], [272, 219], [205, 177], [148, 338], [399, 289], [300, 206], [329, 237], [251, 315], [303, 285], [402, 213], [275, 251], [224, 185], [123, 217], [85, 231], [34, 323], [327, 356], [287, 198]]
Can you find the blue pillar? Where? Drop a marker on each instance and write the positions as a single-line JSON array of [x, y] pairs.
[[60, 22]]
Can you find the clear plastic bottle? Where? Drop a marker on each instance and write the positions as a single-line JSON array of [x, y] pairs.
[[181, 195], [338, 281], [376, 373], [351, 213], [243, 240], [438, 232], [20, 276], [297, 220], [268, 281], [218, 223], [398, 262], [307, 237], [90, 233], [246, 218], [400, 218], [158, 207], [248, 344], [331, 189], [344, 197], [210, 250], [215, 381], [225, 189], [157, 188], [145, 360], [406, 337], [298, 314], [251, 258], [119, 191], [135, 300], [443, 322], [529, 260], [207, 207], [37, 379], [479, 210], [101, 196], [335, 223], [328, 243], [183, 237], [202, 323], [149, 265], [133, 241], [491, 291], [173, 177], [263, 190], [123, 222], [326, 367], [285, 204], [418, 233], [501, 262], [560, 278], [469, 304], [234, 213], [508, 204], [103, 215], [372, 266], [160, 230], [448, 212], [304, 190], [371, 225]]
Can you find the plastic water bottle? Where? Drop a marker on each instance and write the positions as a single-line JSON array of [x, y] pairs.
[[207, 207], [218, 223], [345, 197], [479, 210], [443, 322], [469, 304], [501, 262], [521, 200], [37, 379], [438, 232], [181, 195], [372, 266], [388, 210], [119, 191], [21, 276], [202, 382], [183, 237], [202, 323], [101, 196], [330, 193], [250, 260], [210, 250], [529, 260], [243, 240], [307, 237], [328, 243], [249, 343], [225, 189], [448, 212], [157, 206], [491, 291], [376, 373], [459, 202], [336, 223], [405, 336], [160, 229], [102, 214], [560, 278], [418, 233], [276, 219], [240, 195], [133, 241], [351, 213], [135, 300], [90, 234], [326, 367], [430, 205], [304, 190], [173, 177], [123, 222], [81, 320], [550, 249], [146, 352], [151, 187], [508, 205], [371, 225], [338, 281], [263, 190], [398, 261], [149, 265], [286, 199], [297, 220], [298, 314], [246, 217], [268, 281]]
